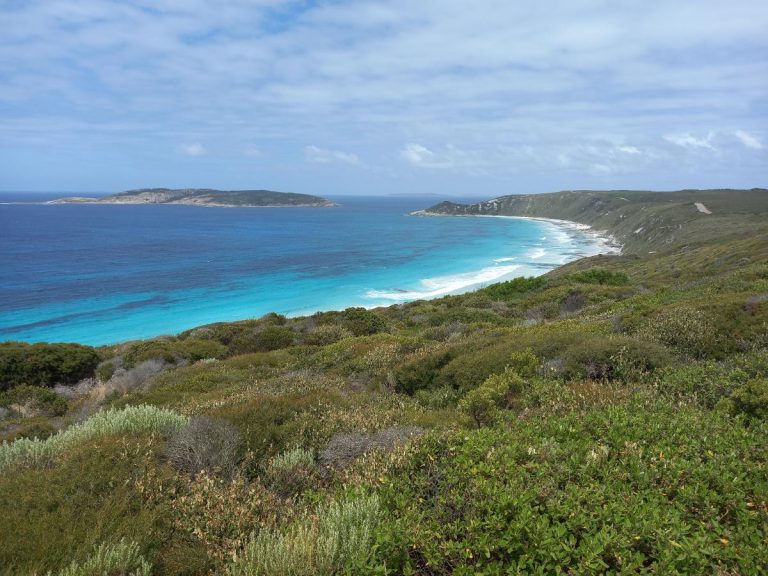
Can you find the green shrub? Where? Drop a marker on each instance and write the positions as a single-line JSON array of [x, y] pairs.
[[35, 399], [613, 358], [45, 364], [130, 420], [513, 288], [752, 398], [687, 329], [121, 558], [704, 383], [325, 334], [194, 349], [57, 514], [149, 350], [525, 363], [600, 276], [263, 340], [640, 488], [470, 367], [437, 398], [362, 322], [105, 370], [483, 403], [420, 373]]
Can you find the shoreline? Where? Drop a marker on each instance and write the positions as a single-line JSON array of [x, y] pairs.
[[599, 242], [602, 236]]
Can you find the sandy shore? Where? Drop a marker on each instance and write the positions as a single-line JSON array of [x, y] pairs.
[[605, 242]]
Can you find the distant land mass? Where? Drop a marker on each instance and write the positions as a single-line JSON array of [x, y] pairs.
[[206, 197], [638, 220]]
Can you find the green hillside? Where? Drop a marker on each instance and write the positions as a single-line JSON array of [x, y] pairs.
[[610, 417]]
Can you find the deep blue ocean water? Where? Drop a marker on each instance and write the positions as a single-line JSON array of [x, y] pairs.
[[99, 274]]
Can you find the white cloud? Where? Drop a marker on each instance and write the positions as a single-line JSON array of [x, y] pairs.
[[253, 152], [325, 156], [528, 89], [195, 149], [687, 140], [418, 155], [749, 140]]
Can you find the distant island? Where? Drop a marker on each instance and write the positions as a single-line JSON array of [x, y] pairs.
[[206, 197]]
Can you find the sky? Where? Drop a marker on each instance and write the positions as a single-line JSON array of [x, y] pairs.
[[443, 97]]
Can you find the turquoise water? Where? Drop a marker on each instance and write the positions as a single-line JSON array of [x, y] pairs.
[[103, 274]]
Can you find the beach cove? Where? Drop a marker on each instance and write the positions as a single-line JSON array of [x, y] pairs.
[[109, 274]]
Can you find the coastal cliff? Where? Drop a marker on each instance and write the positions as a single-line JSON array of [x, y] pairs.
[[640, 221], [206, 197]]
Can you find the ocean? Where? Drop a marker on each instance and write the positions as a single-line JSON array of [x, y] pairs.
[[102, 274]]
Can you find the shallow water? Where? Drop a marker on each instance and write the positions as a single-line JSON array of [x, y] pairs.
[[100, 274]]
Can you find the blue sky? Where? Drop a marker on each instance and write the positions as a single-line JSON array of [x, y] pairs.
[[446, 97]]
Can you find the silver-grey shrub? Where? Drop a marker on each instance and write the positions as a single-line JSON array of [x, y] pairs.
[[335, 540], [124, 380], [344, 448], [123, 558], [129, 420], [205, 443]]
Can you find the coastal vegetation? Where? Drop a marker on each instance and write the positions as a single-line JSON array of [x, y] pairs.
[[610, 416]]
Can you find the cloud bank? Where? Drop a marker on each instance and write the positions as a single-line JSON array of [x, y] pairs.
[[502, 97]]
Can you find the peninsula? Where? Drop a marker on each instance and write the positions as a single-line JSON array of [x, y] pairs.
[[206, 197], [642, 222]]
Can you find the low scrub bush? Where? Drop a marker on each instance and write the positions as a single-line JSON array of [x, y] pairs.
[[514, 288], [290, 472], [121, 558], [218, 515], [195, 349], [344, 448], [130, 420], [524, 363], [161, 349], [470, 367], [752, 399], [362, 322], [613, 358], [421, 373], [688, 329], [123, 380], [703, 383], [437, 398], [263, 339], [33, 400], [172, 351], [204, 444], [483, 403], [105, 370], [600, 276], [325, 334], [45, 364], [644, 487], [336, 539]]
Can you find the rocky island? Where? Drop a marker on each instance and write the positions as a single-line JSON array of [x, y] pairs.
[[206, 197]]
